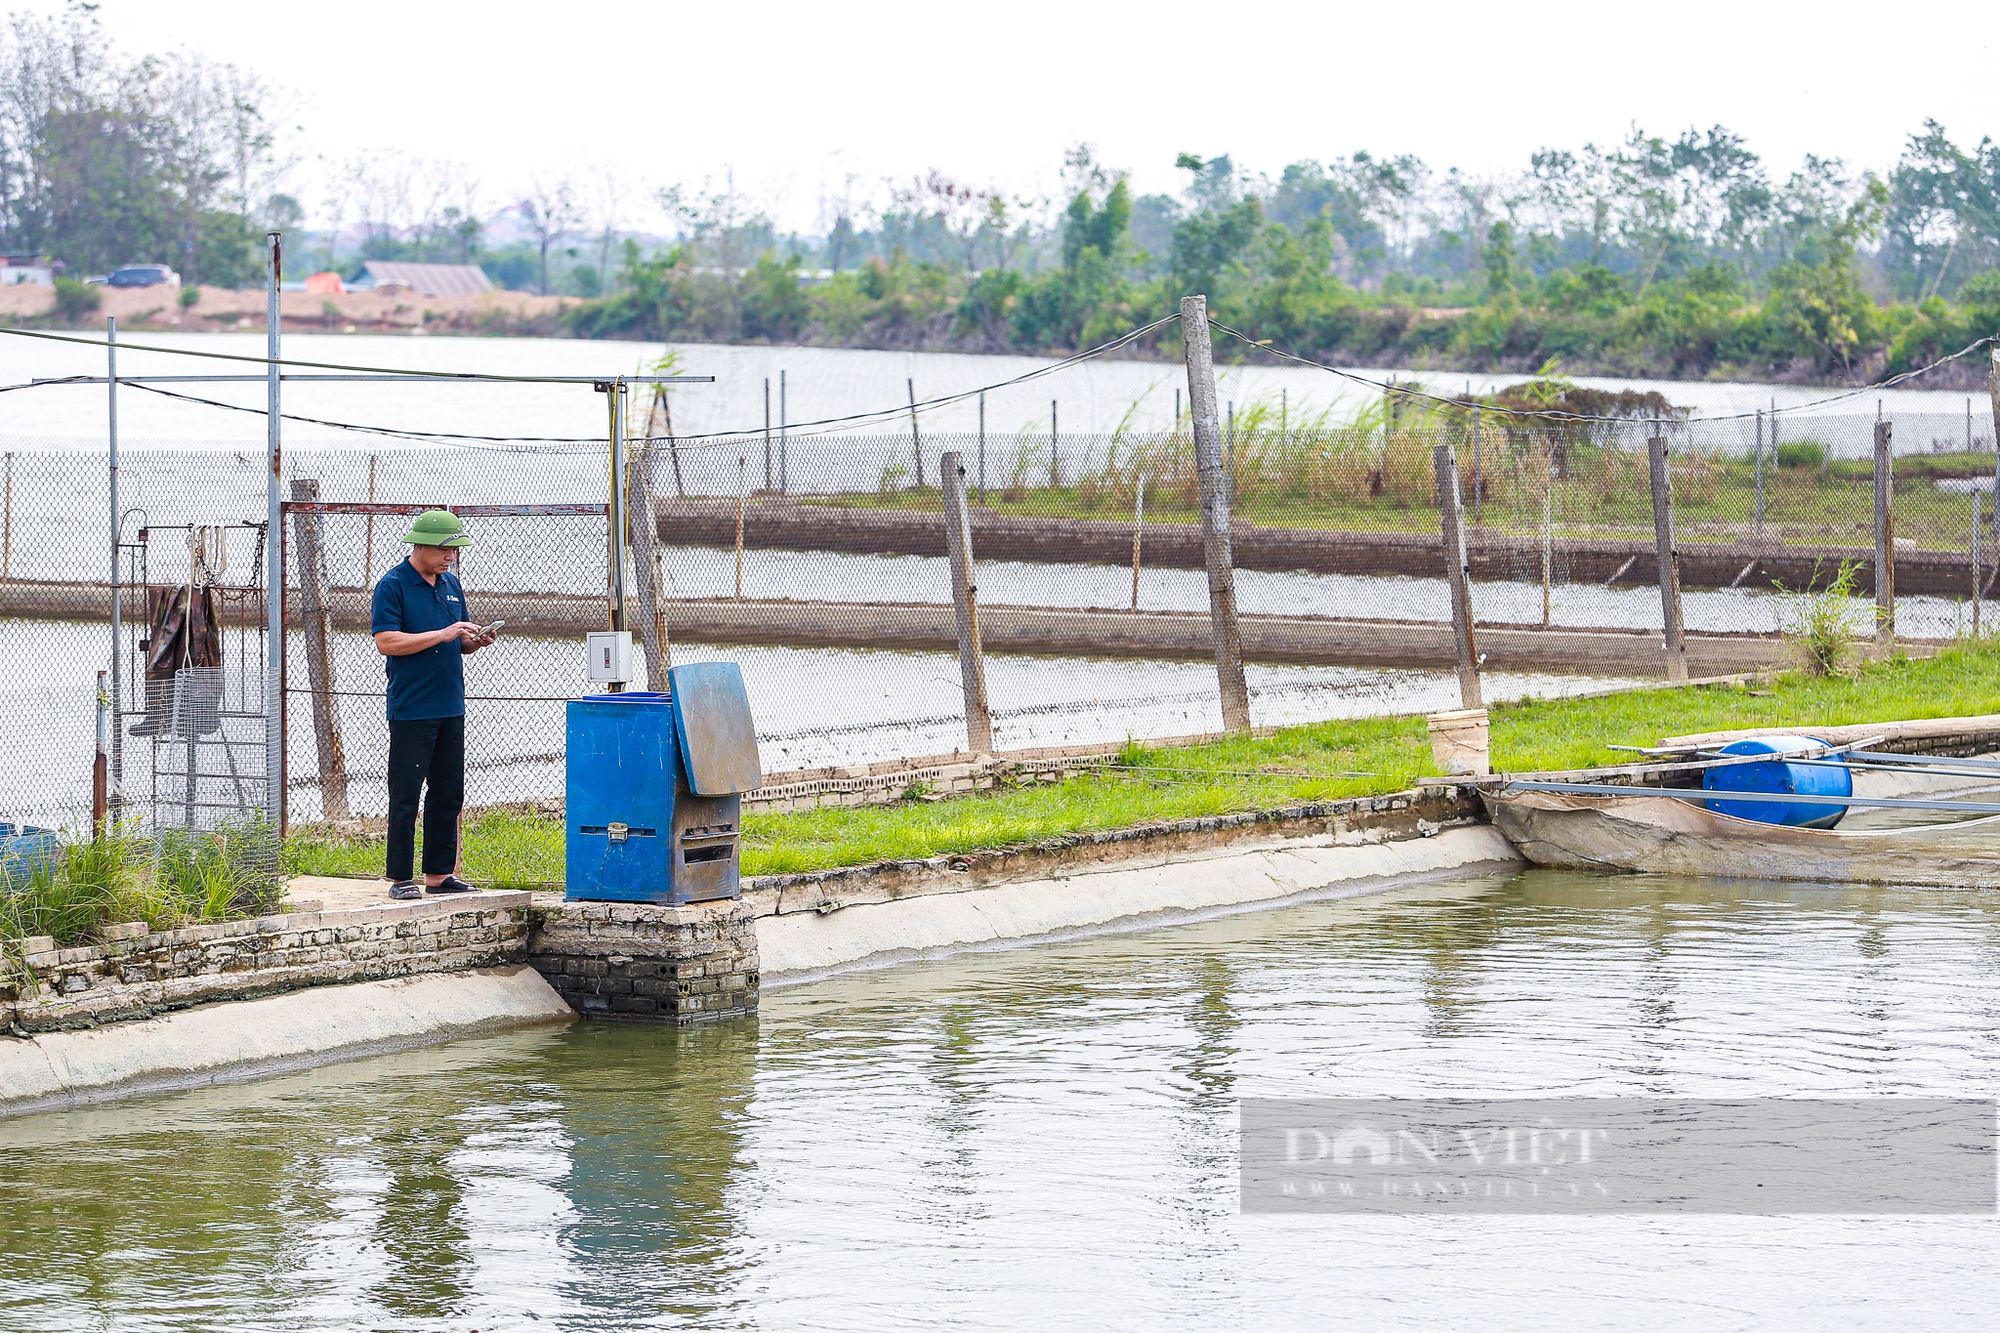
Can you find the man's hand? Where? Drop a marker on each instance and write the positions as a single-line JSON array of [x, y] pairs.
[[479, 638], [396, 643]]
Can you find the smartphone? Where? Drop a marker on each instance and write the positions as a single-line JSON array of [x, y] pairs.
[[486, 631]]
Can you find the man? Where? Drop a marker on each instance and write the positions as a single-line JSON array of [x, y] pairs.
[[423, 631]]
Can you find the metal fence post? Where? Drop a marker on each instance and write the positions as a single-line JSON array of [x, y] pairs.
[[1138, 528], [1977, 564], [982, 450], [1760, 472], [784, 452], [274, 540], [318, 617], [1885, 538], [916, 440], [965, 601], [1215, 536], [1993, 393], [117, 575], [1670, 559], [1451, 517]]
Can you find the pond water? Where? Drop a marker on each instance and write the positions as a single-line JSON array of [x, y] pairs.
[[1045, 1136]]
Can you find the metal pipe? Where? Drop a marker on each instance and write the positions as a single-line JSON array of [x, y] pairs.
[[1777, 797], [784, 470], [616, 511]]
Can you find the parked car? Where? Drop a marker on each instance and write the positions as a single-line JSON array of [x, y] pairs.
[[143, 275]]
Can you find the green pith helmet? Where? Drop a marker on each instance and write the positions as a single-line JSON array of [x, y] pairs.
[[437, 527]]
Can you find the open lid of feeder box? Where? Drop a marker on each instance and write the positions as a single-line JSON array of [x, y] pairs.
[[718, 739]]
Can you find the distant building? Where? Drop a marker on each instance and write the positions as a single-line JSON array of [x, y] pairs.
[[32, 270], [325, 284], [422, 279]]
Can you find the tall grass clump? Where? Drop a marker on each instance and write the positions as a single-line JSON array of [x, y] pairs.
[[1820, 627], [178, 879]]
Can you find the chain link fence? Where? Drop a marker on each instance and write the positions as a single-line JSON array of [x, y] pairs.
[[819, 563]]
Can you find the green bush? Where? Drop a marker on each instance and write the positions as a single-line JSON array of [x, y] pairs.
[[74, 299], [189, 295], [1802, 453]]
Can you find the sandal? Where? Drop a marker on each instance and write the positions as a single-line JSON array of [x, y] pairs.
[[405, 889], [451, 884]]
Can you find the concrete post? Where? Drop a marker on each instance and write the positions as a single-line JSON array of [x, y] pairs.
[[1215, 541], [1444, 459], [965, 601], [1670, 559], [317, 621], [1885, 538]]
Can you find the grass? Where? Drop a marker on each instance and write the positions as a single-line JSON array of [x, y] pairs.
[[1297, 764], [1354, 482], [94, 883]]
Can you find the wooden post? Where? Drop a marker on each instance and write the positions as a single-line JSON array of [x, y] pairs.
[[1885, 538], [916, 440], [1444, 459], [965, 600], [1138, 527], [740, 484], [1670, 559], [1215, 536], [644, 519], [317, 617]]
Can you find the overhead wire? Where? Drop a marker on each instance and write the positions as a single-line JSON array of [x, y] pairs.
[[1545, 414]]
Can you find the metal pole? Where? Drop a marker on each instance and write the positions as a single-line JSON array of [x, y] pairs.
[[784, 470], [1444, 460], [1138, 527], [1885, 537], [1548, 540], [117, 657], [616, 512], [1670, 559], [965, 601], [982, 450], [740, 484], [7, 538], [1760, 472], [100, 764], [1055, 458], [1478, 509], [1229, 452], [767, 432], [1978, 566], [916, 440], [1993, 393], [274, 537], [1215, 535], [368, 560]]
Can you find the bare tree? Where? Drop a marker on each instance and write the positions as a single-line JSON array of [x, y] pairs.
[[968, 214], [550, 212], [608, 199]]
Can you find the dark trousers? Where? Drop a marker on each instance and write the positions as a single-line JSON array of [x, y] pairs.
[[425, 749]]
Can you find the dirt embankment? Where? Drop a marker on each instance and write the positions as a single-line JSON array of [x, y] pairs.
[[220, 310]]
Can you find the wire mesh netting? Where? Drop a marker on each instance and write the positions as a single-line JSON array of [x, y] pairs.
[[819, 564]]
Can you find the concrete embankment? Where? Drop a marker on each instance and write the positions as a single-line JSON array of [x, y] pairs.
[[1063, 631], [784, 523], [233, 1000]]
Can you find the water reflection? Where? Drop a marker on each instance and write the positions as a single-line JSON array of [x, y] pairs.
[[1045, 1136]]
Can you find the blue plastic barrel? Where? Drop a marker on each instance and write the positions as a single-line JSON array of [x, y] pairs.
[[1820, 778]]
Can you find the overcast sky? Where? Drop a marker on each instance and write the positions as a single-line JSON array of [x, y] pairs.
[[797, 99]]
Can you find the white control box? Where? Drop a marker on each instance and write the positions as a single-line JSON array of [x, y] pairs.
[[610, 656]]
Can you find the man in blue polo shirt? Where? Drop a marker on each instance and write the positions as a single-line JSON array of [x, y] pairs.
[[423, 631]]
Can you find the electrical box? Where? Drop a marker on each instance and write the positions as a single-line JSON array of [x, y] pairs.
[[610, 656], [653, 794]]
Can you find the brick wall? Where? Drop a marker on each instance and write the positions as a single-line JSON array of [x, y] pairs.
[[147, 974], [637, 961]]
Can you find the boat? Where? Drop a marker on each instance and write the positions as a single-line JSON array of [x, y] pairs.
[[1650, 818]]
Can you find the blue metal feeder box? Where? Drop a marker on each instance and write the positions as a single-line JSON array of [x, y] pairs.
[[653, 797]]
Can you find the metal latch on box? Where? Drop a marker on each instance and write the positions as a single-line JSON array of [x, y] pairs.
[[616, 832]]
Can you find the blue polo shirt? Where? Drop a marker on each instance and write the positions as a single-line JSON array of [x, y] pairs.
[[430, 683]]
